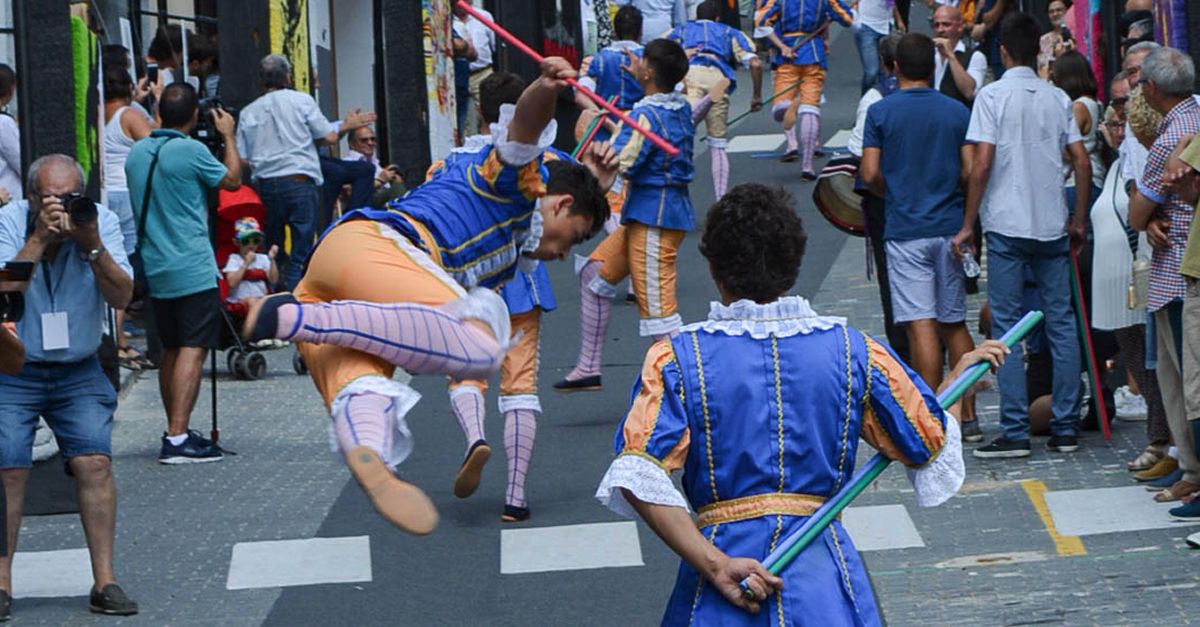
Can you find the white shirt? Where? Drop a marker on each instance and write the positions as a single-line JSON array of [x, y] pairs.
[[10, 156], [277, 134], [247, 289], [1133, 157], [855, 143], [1030, 122], [874, 14], [480, 36], [354, 155], [976, 66]]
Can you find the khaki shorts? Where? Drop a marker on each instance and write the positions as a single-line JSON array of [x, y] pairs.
[[700, 79]]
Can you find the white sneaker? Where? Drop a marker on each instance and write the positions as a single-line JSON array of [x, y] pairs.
[[1194, 540], [1130, 407]]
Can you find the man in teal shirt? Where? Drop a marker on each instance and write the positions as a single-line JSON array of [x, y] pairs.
[[180, 269]]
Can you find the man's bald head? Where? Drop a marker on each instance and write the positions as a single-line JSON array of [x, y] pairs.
[[948, 23], [1139, 5]]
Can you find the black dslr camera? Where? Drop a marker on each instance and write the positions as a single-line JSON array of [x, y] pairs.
[[81, 209], [206, 130]]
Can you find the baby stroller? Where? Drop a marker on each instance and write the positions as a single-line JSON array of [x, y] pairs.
[[244, 361]]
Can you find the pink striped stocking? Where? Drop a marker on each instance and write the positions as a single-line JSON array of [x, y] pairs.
[[467, 403], [700, 109], [365, 420], [520, 430], [790, 133], [595, 311], [420, 339], [810, 134], [720, 171]]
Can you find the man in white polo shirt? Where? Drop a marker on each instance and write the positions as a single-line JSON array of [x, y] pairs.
[[1021, 124]]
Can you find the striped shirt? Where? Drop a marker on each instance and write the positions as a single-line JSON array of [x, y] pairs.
[[1166, 283]]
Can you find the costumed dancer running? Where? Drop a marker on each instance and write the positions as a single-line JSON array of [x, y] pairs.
[[762, 405], [527, 295], [714, 49], [798, 69], [657, 215], [413, 286], [607, 74]]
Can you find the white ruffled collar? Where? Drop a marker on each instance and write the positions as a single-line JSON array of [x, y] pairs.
[[622, 45], [529, 240], [474, 144], [790, 315], [671, 101]]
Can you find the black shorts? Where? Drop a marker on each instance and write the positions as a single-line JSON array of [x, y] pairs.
[[193, 320]]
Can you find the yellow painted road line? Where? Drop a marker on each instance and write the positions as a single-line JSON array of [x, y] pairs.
[[1066, 545]]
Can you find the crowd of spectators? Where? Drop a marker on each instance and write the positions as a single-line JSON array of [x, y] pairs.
[[1054, 172]]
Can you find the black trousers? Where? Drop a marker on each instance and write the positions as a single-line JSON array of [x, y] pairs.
[[897, 336]]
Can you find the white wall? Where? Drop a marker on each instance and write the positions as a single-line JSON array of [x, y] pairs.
[[354, 54]]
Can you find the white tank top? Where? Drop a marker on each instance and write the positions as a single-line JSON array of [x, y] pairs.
[[1091, 143], [116, 150]]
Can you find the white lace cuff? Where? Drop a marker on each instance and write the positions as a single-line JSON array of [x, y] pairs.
[[404, 399], [939, 480], [514, 153], [645, 479], [762, 31]]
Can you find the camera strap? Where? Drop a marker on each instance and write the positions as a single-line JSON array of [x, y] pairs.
[[141, 232]]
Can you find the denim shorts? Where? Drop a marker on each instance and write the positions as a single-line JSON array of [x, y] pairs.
[[77, 401], [927, 281]]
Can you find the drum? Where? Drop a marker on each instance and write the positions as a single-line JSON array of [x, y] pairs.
[[836, 199]]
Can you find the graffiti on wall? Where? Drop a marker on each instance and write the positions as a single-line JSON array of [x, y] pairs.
[[436, 22], [289, 37]]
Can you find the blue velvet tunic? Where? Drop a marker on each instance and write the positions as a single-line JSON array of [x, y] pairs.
[[762, 407]]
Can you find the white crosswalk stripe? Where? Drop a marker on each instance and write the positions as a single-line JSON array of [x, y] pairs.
[[281, 563]]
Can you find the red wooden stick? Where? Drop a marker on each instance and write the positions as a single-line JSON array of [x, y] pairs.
[[1085, 335], [531, 53]]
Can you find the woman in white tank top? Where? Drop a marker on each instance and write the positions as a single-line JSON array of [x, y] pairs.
[[1073, 74], [125, 123]]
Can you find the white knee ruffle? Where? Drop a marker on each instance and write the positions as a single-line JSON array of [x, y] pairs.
[[779, 109], [513, 402], [404, 398], [651, 327], [488, 307]]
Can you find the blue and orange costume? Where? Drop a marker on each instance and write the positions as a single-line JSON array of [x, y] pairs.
[[762, 407], [527, 296], [803, 75], [450, 242], [718, 50], [657, 214]]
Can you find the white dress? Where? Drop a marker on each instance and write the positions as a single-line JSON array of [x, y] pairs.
[[1112, 261]]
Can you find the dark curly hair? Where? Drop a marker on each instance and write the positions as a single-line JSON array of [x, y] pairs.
[[575, 180], [754, 242]]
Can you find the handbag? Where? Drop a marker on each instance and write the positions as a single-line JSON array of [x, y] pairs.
[[1138, 290]]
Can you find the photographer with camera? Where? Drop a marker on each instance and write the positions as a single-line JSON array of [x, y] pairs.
[[81, 270], [169, 176]]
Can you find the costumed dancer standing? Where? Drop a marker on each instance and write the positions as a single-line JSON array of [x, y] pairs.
[[799, 69], [714, 49], [527, 295], [657, 215], [412, 286], [762, 406]]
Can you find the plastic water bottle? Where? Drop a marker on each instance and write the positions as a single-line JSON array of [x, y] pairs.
[[970, 266]]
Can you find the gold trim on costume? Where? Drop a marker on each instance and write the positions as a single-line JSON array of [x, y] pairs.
[[712, 472], [757, 506], [849, 407]]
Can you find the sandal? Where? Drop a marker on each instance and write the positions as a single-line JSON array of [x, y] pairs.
[[1147, 459], [1181, 490], [133, 359]]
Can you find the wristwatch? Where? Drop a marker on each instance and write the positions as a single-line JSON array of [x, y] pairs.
[[95, 253]]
